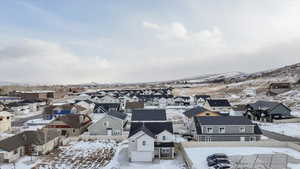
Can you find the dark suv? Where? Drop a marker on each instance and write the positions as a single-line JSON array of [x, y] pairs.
[[218, 161]]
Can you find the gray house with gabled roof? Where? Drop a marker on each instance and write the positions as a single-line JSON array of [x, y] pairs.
[[267, 111], [112, 123], [225, 128]]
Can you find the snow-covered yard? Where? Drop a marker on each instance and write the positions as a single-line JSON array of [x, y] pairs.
[[198, 155], [289, 129], [81, 154]]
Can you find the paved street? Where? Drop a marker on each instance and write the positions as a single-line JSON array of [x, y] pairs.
[[280, 137]]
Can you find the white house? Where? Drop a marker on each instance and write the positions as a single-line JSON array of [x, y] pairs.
[[5, 121], [149, 140], [219, 105]]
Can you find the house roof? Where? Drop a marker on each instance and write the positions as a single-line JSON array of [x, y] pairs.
[[134, 105], [73, 120], [106, 106], [149, 115], [27, 138], [263, 105], [218, 102], [153, 128], [117, 114], [223, 120], [202, 97], [194, 111]]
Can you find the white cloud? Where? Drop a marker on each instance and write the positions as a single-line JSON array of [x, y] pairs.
[[33, 60]]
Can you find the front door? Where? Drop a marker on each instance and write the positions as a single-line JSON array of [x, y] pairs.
[[109, 131]]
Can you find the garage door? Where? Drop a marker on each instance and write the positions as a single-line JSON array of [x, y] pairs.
[[141, 156]]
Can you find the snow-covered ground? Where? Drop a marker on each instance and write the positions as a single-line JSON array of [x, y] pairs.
[[25, 162], [80, 154], [289, 129], [198, 155]]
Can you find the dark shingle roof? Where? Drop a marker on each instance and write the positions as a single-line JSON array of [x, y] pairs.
[[105, 106], [218, 103], [154, 127], [74, 120], [117, 114], [223, 120], [263, 105], [194, 111], [205, 97], [149, 115], [27, 138]]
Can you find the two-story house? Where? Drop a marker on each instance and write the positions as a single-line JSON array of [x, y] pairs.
[[197, 111], [267, 111], [148, 140], [219, 105], [225, 128], [150, 136]]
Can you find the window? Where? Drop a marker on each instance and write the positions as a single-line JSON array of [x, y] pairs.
[[164, 137], [209, 130], [144, 143], [165, 150], [106, 124], [221, 130], [242, 130]]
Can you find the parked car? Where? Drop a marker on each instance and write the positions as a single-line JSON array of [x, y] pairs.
[[218, 160], [222, 166], [217, 156]]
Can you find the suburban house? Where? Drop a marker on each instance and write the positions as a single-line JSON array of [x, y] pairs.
[[225, 128], [106, 107], [112, 123], [182, 100], [28, 143], [87, 104], [129, 106], [107, 99], [5, 121], [53, 111], [148, 115], [200, 99], [70, 124], [219, 105], [267, 111], [38, 95], [149, 140], [277, 88], [197, 112]]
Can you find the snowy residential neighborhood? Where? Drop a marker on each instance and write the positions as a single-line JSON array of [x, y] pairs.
[[155, 84], [153, 127]]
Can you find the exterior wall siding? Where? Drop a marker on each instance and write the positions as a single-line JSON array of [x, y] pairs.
[[100, 129]]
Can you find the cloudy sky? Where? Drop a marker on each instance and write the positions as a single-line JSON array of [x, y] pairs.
[[60, 41]]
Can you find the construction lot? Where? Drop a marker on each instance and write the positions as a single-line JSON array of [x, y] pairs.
[[79, 155], [263, 161]]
